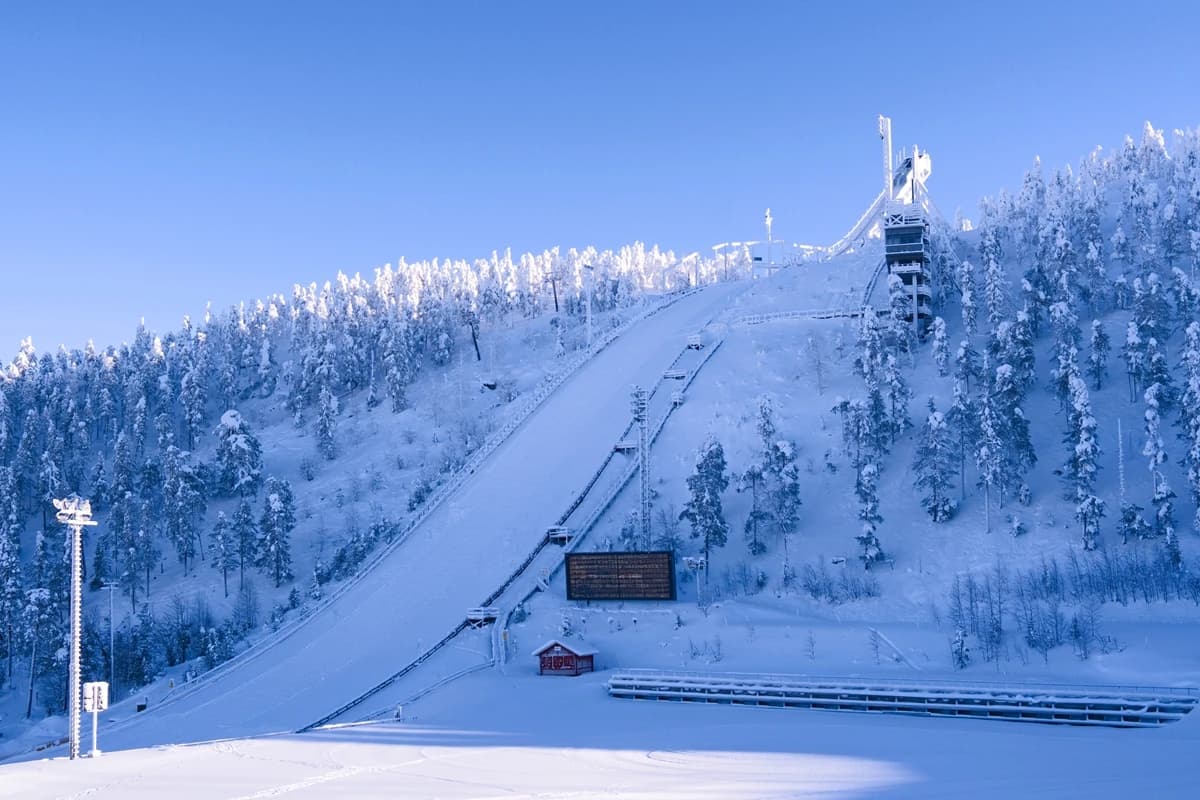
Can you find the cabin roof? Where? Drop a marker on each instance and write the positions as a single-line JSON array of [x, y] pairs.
[[579, 649]]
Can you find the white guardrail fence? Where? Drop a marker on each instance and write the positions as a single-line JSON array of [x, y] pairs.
[[1113, 706]]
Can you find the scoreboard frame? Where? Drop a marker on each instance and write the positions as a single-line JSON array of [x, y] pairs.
[[640, 575]]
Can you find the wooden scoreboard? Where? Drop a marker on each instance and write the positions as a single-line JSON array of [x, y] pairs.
[[621, 576]]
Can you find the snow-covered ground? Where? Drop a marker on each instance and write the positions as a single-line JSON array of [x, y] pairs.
[[523, 736]]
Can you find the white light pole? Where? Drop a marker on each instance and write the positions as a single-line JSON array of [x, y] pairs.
[[75, 513]]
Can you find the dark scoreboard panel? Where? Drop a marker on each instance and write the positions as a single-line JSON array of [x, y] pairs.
[[621, 576]]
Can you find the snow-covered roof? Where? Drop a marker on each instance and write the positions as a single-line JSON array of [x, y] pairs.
[[579, 649]]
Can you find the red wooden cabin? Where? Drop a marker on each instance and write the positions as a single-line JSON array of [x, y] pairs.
[[559, 658]]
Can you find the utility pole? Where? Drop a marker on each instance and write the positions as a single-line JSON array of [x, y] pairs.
[[75, 513], [640, 402]]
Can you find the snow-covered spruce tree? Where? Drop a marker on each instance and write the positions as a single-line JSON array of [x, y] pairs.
[[1080, 469], [995, 284], [966, 285], [900, 333], [274, 548], [989, 455], [327, 411], [898, 397], [933, 466], [398, 365], [941, 347], [11, 578], [1157, 372], [1155, 453], [1097, 366], [1189, 414], [1066, 350], [1134, 354], [866, 488], [183, 504], [1151, 311], [1184, 295], [239, 456], [704, 509], [966, 364], [1017, 456]]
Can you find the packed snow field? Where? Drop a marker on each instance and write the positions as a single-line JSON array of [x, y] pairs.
[[521, 736], [856, 530]]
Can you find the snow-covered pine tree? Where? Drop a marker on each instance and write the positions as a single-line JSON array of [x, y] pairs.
[[224, 549], [1157, 372], [1135, 359], [274, 549], [239, 456], [898, 397], [966, 364], [11, 578], [995, 284], [783, 487], [933, 466], [327, 411], [1151, 312], [752, 481], [245, 538], [989, 454], [963, 422], [1017, 456], [1081, 467], [1097, 366], [1189, 414], [1156, 455], [900, 333], [866, 488], [941, 347], [1065, 324], [704, 509], [966, 285]]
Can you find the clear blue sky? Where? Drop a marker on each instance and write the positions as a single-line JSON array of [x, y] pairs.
[[156, 156]]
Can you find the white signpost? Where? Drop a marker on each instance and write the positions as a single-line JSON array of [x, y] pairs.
[[95, 700]]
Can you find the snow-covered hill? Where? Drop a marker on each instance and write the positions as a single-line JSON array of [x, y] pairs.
[[963, 597]]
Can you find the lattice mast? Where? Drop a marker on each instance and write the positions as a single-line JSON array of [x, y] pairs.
[[640, 403]]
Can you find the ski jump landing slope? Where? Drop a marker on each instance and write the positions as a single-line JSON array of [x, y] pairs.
[[453, 561]]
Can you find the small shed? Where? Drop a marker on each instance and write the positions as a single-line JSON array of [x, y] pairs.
[[559, 658]]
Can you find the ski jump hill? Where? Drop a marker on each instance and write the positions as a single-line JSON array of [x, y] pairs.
[[458, 556]]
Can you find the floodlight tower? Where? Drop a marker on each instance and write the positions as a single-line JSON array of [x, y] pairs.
[[640, 402], [76, 514]]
